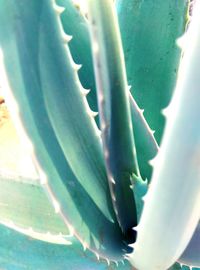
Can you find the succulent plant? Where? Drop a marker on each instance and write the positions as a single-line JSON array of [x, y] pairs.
[[125, 192]]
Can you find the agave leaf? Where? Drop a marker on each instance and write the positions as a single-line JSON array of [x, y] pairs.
[[68, 110], [171, 210], [76, 25], [25, 205], [23, 43], [114, 109], [74, 119], [191, 255], [149, 31], [27, 253], [146, 145], [23, 202]]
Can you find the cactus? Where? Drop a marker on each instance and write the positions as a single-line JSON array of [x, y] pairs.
[[75, 84]]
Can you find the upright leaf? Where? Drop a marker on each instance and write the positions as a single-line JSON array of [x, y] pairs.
[[76, 25], [172, 206], [149, 31], [114, 109]]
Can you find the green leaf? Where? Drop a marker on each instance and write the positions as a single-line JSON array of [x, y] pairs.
[[18, 252], [24, 204], [69, 112], [114, 109], [28, 38], [171, 211], [146, 145], [76, 25], [149, 30]]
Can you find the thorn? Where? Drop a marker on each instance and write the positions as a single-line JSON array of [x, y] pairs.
[[76, 67], [58, 9], [181, 42], [122, 262], [153, 161], [112, 220], [98, 132], [145, 181], [129, 87], [152, 131], [93, 114], [136, 228], [141, 111], [97, 255], [131, 187], [88, 109], [85, 92], [126, 257], [112, 180], [144, 198], [165, 111], [116, 262], [116, 211], [84, 246], [67, 38], [132, 246], [113, 197], [108, 262]]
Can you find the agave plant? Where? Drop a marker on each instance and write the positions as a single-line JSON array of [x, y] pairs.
[[129, 195]]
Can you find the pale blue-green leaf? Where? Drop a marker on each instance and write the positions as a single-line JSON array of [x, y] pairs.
[[172, 205]]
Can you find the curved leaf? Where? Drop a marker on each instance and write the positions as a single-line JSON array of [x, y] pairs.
[[74, 24], [22, 41], [27, 253], [25, 205]]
